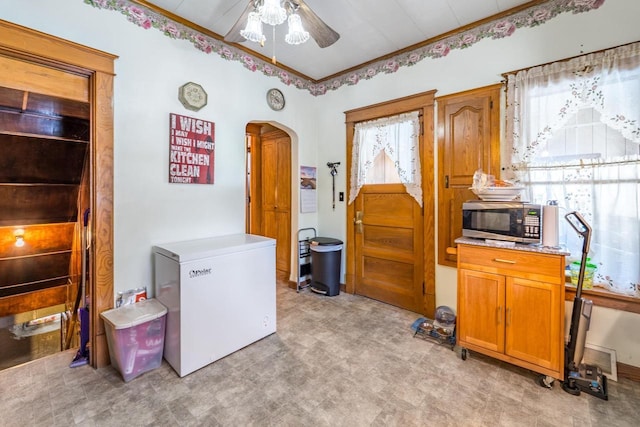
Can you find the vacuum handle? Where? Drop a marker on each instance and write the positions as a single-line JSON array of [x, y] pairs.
[[582, 228]]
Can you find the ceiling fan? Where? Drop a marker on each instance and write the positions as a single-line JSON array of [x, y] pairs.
[[323, 34]]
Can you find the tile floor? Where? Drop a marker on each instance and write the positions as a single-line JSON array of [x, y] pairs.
[[334, 361]]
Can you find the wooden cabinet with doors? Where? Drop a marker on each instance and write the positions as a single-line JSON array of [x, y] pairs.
[[511, 306], [468, 140]]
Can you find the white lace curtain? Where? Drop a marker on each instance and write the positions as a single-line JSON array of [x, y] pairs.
[[398, 137], [603, 188], [541, 99]]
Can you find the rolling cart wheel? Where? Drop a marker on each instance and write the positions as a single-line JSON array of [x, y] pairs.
[[545, 381], [463, 354]]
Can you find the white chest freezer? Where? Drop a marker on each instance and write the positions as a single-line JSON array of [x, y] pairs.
[[220, 294]]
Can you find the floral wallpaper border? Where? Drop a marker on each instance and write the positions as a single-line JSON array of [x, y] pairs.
[[531, 17]]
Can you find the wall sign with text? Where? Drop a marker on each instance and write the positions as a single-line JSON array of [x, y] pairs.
[[191, 150]]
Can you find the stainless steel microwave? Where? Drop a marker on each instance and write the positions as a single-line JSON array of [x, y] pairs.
[[511, 221]]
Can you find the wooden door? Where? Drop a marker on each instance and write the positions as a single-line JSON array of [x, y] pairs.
[[481, 309], [468, 140], [276, 195], [386, 224], [533, 322], [388, 246]]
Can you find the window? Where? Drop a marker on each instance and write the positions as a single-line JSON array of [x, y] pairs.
[[574, 128], [382, 171], [387, 150]]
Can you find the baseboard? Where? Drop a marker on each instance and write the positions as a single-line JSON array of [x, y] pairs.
[[628, 372]]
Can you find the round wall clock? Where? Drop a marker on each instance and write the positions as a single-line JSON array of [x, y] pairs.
[[275, 99], [192, 96]]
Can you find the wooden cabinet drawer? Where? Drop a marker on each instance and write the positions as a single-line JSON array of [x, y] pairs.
[[528, 265]]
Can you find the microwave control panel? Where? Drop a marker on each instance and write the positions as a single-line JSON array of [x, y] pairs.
[[532, 224]]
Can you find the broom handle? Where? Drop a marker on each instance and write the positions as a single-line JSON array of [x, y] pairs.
[[85, 244], [80, 295]]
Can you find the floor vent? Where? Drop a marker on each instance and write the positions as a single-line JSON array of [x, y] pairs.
[[603, 357]]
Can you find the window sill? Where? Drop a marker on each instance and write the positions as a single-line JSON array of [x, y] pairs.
[[604, 298]]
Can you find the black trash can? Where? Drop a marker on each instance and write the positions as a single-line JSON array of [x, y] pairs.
[[326, 254]]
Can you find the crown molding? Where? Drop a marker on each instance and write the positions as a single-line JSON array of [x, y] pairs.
[[531, 14]]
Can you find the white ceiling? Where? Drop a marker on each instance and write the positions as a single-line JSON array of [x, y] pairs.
[[369, 29]]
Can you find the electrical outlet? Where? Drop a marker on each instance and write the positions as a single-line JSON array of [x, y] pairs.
[[341, 196]]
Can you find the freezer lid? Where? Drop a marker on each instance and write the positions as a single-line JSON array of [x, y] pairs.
[[190, 250]]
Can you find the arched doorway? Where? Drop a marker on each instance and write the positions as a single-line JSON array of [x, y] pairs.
[[269, 201]]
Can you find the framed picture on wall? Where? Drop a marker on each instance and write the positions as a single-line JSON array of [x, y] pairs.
[[308, 199], [191, 150]]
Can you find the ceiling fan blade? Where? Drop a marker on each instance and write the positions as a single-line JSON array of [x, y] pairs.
[[233, 36], [323, 34]]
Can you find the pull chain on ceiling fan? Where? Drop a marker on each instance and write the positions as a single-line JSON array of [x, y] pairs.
[[273, 57]]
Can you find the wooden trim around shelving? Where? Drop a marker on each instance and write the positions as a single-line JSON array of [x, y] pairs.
[[62, 54], [21, 43]]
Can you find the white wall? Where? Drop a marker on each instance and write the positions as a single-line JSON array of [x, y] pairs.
[[151, 67]]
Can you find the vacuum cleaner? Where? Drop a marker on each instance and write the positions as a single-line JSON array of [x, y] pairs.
[[579, 376]]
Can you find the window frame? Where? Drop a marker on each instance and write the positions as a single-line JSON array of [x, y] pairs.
[[602, 297]]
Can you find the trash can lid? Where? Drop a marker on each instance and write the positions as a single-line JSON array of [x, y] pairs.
[[325, 241], [134, 314]]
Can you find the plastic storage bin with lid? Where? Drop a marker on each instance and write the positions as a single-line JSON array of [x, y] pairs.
[[135, 336], [589, 272]]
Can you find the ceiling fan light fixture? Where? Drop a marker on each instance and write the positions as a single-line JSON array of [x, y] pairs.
[[276, 12], [253, 30], [272, 13], [297, 33]]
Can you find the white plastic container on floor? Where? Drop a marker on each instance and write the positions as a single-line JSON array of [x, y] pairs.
[[135, 336]]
